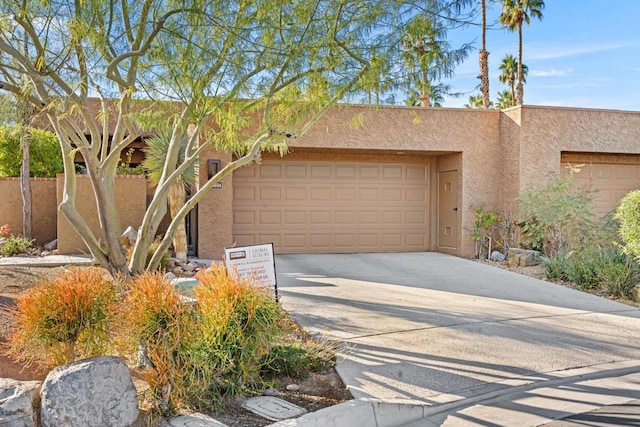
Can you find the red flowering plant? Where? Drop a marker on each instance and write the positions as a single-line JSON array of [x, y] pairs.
[[12, 245]]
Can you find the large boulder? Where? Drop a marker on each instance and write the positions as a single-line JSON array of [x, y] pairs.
[[17, 400], [97, 392]]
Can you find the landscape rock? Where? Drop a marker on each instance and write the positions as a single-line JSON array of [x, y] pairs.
[[497, 256], [52, 245], [293, 387], [271, 392], [17, 400], [97, 392], [517, 257]]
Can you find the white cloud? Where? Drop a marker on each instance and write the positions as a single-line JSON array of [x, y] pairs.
[[550, 73], [558, 51]]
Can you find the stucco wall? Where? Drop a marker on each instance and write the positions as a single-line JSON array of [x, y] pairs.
[[548, 131], [130, 194], [215, 213], [425, 131], [43, 211]]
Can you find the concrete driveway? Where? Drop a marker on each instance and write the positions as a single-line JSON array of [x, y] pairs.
[[464, 336]]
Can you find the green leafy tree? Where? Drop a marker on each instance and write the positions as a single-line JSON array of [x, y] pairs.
[[276, 64], [515, 13], [45, 158], [628, 213]]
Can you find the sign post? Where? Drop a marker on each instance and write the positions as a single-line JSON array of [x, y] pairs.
[[255, 262]]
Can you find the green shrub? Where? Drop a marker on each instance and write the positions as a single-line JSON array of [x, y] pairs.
[[14, 245], [618, 280], [557, 217], [63, 319], [298, 359], [628, 213], [156, 319], [45, 154], [604, 270], [237, 325], [556, 266]]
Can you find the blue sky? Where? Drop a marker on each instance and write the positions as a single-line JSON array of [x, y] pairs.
[[583, 53]]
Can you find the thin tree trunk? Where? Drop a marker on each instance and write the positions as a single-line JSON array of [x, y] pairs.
[[177, 198], [25, 183], [484, 61], [520, 76]]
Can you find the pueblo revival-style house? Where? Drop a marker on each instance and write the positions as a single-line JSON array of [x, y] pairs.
[[404, 179]]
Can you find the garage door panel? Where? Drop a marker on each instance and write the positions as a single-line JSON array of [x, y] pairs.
[[392, 173], [369, 172], [269, 171], [332, 207], [612, 182], [295, 171]]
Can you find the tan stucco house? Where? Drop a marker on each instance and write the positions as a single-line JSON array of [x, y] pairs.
[[374, 179], [405, 179]]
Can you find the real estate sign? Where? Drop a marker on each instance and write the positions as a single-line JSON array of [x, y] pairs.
[[255, 262]]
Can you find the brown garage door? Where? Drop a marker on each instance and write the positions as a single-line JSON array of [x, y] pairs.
[[317, 206], [611, 180]]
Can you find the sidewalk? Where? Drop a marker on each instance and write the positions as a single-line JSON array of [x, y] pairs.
[[47, 261]]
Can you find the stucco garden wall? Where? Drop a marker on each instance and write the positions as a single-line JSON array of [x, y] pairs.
[[131, 202], [43, 211]]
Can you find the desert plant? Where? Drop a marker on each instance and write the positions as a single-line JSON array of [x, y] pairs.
[[14, 245], [237, 325], [484, 227], [618, 279], [156, 318], [556, 218], [604, 270], [297, 359], [628, 213], [555, 266], [63, 319]]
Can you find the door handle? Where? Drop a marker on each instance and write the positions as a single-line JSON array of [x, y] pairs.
[[455, 209]]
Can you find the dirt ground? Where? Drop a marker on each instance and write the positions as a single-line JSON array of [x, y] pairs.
[[318, 391]]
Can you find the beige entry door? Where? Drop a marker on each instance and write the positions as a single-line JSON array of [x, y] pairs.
[[448, 209]]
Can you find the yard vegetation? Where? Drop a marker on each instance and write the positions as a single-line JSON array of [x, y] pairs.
[[232, 339], [558, 219]]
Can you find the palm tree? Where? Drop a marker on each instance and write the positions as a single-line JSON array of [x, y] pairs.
[[428, 56], [477, 102], [505, 100], [155, 155], [434, 93], [514, 14], [484, 59], [509, 71]]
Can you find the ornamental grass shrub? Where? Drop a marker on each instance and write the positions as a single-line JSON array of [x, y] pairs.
[[159, 324], [63, 319], [238, 323], [600, 270]]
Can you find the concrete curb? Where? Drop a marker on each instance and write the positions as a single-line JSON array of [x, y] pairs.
[[47, 261], [361, 412]]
